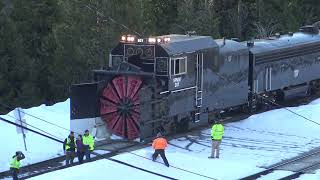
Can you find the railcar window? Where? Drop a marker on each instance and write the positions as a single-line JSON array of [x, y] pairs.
[[238, 59], [216, 63], [116, 60], [317, 61], [229, 58], [179, 66]]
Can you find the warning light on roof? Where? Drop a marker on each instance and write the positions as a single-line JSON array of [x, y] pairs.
[[166, 39], [123, 38], [152, 40]]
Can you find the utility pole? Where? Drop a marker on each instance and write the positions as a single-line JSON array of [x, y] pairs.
[[99, 36], [258, 9], [239, 24], [108, 31], [18, 113]]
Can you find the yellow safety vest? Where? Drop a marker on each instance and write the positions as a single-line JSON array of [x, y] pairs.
[[68, 144], [217, 132], [88, 140], [15, 163]]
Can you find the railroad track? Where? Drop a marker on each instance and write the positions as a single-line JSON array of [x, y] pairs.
[[301, 171], [111, 148], [116, 147], [305, 163]]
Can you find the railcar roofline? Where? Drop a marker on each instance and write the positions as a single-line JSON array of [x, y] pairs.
[[113, 72]]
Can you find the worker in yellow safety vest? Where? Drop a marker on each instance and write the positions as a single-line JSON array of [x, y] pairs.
[[15, 164], [69, 147], [217, 132], [88, 143]]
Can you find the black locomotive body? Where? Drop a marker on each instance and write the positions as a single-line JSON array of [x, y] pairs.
[[175, 82], [228, 82]]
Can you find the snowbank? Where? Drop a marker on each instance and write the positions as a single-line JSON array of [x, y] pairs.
[[260, 140], [38, 148]]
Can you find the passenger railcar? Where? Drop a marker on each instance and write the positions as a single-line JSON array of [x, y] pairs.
[[285, 66]]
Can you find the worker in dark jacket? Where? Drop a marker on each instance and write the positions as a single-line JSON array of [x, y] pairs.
[[80, 149], [69, 147], [159, 145], [15, 164], [217, 132]]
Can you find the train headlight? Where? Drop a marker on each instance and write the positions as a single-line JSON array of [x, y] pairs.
[[130, 38]]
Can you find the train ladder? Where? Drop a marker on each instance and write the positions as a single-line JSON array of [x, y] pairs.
[[199, 87]]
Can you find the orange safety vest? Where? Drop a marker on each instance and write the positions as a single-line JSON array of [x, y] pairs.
[[159, 143]]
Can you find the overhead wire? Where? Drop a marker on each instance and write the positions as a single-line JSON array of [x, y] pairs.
[[34, 127], [43, 120], [216, 73], [57, 140], [104, 16], [18, 125], [191, 172], [127, 28], [49, 122]]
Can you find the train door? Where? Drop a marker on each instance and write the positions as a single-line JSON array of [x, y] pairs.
[[199, 86], [83, 101], [268, 73]]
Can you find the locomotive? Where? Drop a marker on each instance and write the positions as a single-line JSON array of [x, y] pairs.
[[173, 83]]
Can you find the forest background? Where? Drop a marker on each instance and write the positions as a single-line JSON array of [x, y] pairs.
[[47, 45]]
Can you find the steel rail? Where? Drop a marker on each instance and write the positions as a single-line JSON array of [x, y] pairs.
[[300, 172], [273, 168]]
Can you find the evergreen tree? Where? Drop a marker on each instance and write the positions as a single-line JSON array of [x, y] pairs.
[[45, 46], [159, 16]]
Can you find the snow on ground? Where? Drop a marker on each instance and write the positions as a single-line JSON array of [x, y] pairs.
[[315, 176], [247, 146], [98, 170], [38, 147]]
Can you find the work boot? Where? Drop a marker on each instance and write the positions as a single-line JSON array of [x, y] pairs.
[[211, 157]]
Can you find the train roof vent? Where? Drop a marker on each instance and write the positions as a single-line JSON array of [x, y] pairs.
[[191, 33], [250, 43], [316, 24], [235, 39], [309, 29]]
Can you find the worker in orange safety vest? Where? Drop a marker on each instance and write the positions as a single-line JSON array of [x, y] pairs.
[[159, 145]]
